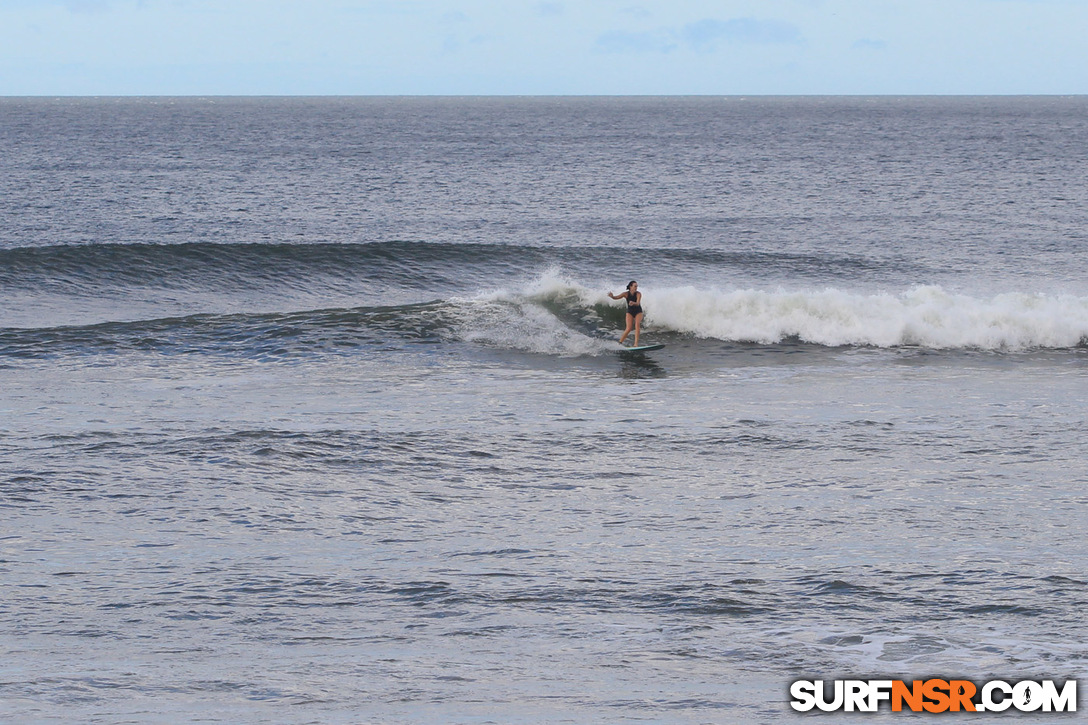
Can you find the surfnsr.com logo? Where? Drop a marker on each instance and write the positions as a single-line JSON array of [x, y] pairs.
[[934, 695]]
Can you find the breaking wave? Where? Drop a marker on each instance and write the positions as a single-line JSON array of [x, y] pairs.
[[924, 316]]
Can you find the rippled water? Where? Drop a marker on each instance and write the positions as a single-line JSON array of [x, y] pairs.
[[311, 411]]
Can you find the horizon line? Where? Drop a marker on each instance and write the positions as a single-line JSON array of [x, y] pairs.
[[543, 95]]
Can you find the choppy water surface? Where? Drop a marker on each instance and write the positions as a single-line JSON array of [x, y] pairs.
[[311, 409]]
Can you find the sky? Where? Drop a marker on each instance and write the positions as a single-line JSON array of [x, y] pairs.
[[542, 47]]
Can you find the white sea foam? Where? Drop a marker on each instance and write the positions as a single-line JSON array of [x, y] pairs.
[[923, 316], [926, 316], [528, 328], [519, 321]]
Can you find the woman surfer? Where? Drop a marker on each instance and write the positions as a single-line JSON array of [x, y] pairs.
[[634, 310]]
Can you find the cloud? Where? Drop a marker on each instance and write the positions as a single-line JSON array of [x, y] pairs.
[[386, 7], [651, 41], [549, 9], [452, 44], [637, 11], [869, 44], [74, 6], [87, 6], [702, 36], [706, 34]]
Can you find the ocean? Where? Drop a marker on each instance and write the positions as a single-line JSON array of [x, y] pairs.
[[312, 409]]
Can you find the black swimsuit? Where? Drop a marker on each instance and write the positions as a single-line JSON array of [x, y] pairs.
[[633, 309]]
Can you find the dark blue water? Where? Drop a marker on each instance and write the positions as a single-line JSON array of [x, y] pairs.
[[311, 410]]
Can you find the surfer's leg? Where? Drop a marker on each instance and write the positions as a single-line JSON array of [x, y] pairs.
[[627, 331], [638, 327]]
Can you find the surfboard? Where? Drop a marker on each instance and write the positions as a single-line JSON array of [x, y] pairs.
[[642, 348]]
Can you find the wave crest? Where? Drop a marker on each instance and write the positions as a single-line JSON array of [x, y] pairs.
[[923, 316]]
